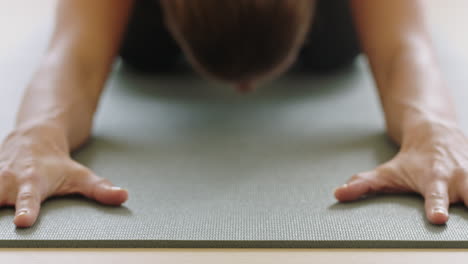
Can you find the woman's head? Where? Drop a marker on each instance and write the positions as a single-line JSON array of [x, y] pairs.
[[239, 41]]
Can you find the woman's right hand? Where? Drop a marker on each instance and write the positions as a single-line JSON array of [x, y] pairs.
[[35, 164]]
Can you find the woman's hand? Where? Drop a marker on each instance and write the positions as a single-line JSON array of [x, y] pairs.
[[35, 164], [433, 161]]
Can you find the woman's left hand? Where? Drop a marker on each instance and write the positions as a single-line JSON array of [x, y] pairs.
[[433, 161]]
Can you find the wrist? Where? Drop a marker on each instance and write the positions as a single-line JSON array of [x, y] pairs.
[[51, 131], [427, 128], [411, 116], [60, 97], [418, 117]]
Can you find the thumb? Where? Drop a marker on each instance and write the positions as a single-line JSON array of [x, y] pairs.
[[100, 189], [356, 187], [363, 184]]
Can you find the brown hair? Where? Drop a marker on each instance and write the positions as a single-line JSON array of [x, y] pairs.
[[239, 40]]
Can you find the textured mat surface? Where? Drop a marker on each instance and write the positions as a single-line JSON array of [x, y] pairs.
[[206, 167]]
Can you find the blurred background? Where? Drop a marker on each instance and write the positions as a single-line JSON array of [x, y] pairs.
[[18, 18]]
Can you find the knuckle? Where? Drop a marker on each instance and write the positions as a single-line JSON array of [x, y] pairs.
[[31, 175], [435, 196], [437, 169], [26, 196]]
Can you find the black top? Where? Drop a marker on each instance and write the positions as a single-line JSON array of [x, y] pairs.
[[331, 43]]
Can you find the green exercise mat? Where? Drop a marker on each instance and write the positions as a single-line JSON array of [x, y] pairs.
[[206, 167]]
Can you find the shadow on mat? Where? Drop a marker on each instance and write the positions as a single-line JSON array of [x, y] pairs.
[[172, 86]]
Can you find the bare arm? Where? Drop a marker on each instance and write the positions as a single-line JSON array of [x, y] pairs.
[[395, 38], [66, 88], [57, 111], [419, 112]]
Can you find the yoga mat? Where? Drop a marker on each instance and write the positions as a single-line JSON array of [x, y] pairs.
[[206, 167]]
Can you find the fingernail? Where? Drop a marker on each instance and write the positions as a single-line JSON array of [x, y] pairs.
[[439, 211], [115, 188], [23, 212]]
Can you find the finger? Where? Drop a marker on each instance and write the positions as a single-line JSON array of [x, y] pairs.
[[28, 203], [437, 202], [359, 185], [100, 189]]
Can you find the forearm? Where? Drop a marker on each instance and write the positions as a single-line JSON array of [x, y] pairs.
[[395, 37], [63, 94], [415, 91], [65, 90]]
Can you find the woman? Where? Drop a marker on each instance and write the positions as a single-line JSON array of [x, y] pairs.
[[244, 43]]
